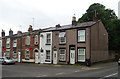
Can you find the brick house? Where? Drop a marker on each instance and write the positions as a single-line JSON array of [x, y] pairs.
[[23, 47], [30, 45], [11, 45], [77, 43]]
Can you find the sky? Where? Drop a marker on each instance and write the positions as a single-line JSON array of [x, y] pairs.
[[19, 14]]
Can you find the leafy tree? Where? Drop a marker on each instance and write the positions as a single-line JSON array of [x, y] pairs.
[[109, 19], [99, 11]]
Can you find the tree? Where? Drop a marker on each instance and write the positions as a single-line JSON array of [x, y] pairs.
[[110, 21], [99, 11]]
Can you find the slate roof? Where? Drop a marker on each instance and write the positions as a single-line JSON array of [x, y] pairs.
[[70, 26]]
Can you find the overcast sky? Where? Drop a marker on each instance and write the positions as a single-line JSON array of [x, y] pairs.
[[19, 14]]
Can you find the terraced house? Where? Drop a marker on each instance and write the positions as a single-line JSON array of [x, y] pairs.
[[30, 45]]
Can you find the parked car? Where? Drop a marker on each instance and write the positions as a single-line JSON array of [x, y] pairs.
[[7, 60], [119, 61]]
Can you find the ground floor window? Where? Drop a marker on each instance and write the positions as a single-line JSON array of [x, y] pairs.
[[14, 54], [7, 54], [62, 54], [47, 55], [81, 54], [27, 55]]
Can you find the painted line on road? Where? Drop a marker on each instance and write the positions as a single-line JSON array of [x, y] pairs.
[[59, 73], [42, 76], [109, 75]]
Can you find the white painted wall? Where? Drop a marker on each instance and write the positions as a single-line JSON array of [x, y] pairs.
[[45, 47], [119, 9]]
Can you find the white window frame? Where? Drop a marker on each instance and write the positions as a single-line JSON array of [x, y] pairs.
[[47, 56], [62, 37], [62, 56], [15, 43], [27, 40], [27, 55], [36, 40], [81, 35], [48, 39], [14, 54], [80, 53], [8, 43]]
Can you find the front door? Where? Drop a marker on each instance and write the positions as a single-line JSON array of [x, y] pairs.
[[19, 57], [36, 56], [41, 58], [72, 55], [55, 57]]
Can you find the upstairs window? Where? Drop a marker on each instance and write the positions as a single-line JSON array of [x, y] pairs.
[[8, 43], [62, 37], [27, 40], [15, 43], [48, 39], [81, 35], [36, 40]]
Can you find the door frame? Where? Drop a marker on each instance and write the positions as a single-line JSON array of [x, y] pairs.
[[55, 49], [70, 53], [35, 55]]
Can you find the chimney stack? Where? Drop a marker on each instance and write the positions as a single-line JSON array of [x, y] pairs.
[[3, 33], [10, 32], [30, 29], [58, 26], [74, 22]]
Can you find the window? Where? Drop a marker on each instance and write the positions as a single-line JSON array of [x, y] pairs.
[[28, 40], [7, 53], [81, 35], [48, 39], [27, 55], [48, 55], [14, 54], [8, 43], [62, 56], [14, 43], [62, 38], [36, 40], [81, 54]]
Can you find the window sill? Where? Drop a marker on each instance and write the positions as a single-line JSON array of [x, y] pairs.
[[47, 44], [62, 43], [82, 42], [27, 45], [36, 44], [61, 61]]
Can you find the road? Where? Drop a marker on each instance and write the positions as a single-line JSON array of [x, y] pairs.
[[102, 71]]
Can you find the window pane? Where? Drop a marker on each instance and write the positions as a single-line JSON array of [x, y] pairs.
[[48, 54], [81, 35], [62, 56], [81, 54], [48, 39]]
